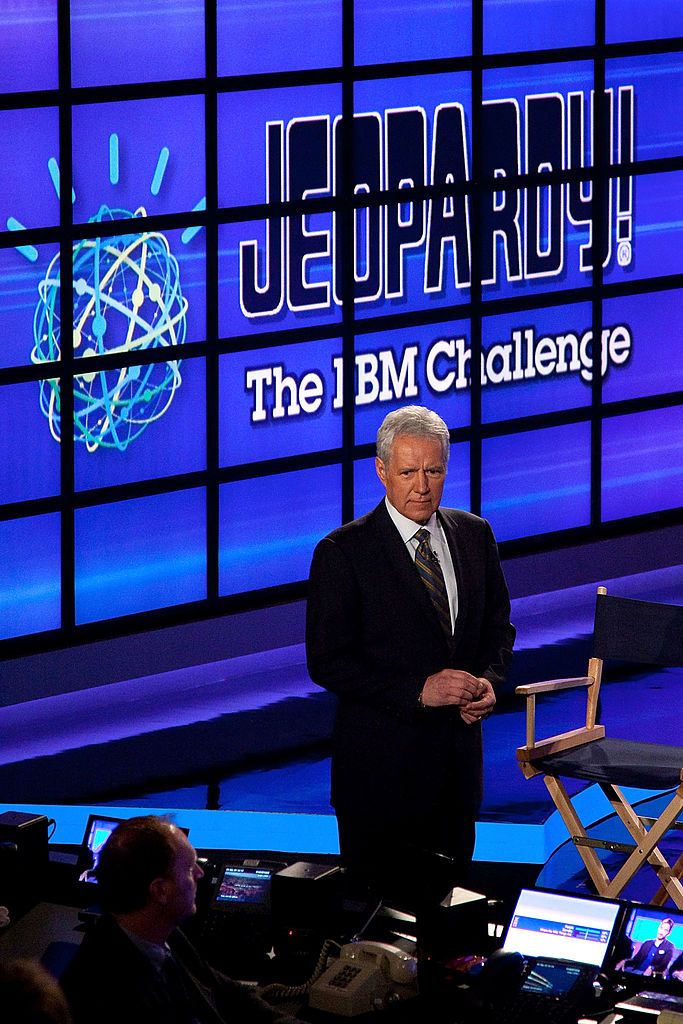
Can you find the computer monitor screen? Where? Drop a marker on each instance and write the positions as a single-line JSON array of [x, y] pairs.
[[652, 944], [243, 887], [561, 927], [97, 832]]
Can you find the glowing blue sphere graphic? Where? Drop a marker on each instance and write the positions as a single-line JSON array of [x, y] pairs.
[[127, 298]]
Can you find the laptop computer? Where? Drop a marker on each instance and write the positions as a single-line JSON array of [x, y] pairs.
[[564, 940]]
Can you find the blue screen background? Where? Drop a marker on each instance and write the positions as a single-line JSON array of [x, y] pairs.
[[656, 320], [31, 469], [391, 31], [28, 46], [511, 25], [276, 545], [257, 38], [29, 140], [20, 275], [537, 482], [140, 554], [151, 134], [629, 20], [642, 463], [144, 128], [114, 44], [30, 566]]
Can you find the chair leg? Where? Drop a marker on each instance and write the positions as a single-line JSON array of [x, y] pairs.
[[646, 850], [574, 825], [661, 896]]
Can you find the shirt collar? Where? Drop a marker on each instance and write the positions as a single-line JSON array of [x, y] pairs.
[[408, 527]]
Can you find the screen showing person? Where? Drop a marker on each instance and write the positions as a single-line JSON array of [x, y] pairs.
[[653, 944]]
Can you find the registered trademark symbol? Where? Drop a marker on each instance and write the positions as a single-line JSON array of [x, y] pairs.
[[624, 254]]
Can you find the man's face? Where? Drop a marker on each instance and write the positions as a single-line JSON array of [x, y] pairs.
[[414, 476], [664, 929], [181, 881]]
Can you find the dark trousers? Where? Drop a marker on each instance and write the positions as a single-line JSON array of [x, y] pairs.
[[409, 863]]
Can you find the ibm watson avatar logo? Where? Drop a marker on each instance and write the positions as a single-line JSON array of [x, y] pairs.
[[127, 299]]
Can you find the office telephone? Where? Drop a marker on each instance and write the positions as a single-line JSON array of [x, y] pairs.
[[364, 976]]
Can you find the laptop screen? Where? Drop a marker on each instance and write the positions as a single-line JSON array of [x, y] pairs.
[[561, 927]]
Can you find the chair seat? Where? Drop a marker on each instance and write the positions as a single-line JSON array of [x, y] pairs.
[[622, 762]]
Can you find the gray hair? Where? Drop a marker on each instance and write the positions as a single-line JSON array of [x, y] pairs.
[[412, 421]]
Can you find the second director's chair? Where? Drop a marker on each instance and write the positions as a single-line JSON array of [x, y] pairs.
[[632, 631]]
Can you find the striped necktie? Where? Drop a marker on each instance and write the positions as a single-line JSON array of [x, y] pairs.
[[427, 565]]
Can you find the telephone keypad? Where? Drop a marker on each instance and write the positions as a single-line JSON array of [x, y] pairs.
[[345, 976]]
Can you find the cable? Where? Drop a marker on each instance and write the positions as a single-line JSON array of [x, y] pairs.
[[364, 927], [278, 990]]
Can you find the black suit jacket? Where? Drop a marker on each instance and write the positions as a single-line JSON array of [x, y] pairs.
[[373, 638], [110, 981]]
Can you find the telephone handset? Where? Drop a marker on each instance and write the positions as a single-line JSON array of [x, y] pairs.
[[365, 974]]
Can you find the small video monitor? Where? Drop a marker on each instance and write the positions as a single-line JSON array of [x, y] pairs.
[[97, 831], [651, 945], [245, 886]]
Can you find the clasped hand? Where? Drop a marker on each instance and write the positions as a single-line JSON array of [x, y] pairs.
[[474, 695]]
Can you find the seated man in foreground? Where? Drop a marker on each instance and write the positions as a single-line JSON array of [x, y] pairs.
[[134, 964]]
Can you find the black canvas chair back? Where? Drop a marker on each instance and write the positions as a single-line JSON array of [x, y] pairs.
[[639, 631], [634, 631]]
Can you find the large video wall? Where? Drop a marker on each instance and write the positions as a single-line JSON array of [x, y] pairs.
[[233, 236]]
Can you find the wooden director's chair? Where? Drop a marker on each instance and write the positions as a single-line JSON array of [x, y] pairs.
[[628, 630]]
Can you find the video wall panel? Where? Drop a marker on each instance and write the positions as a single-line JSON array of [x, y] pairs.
[[385, 30], [537, 481], [258, 38], [247, 232], [642, 463], [511, 25], [117, 44], [30, 575], [28, 46], [140, 554], [264, 549]]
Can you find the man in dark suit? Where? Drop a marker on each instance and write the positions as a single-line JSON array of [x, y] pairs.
[[413, 634], [134, 965]]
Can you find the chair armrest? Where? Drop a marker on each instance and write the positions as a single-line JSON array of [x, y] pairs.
[[530, 690], [551, 685], [556, 744]]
